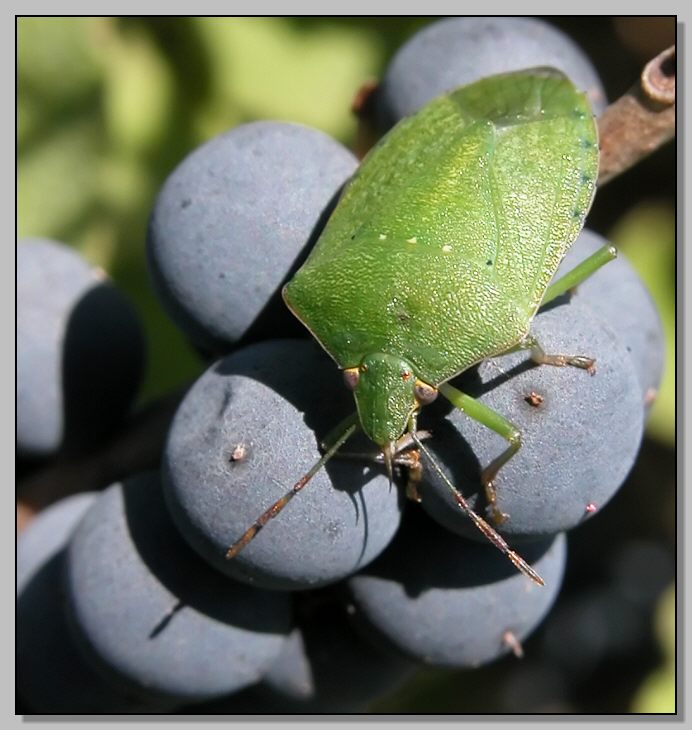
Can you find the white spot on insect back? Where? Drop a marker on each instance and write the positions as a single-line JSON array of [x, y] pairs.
[[413, 239], [383, 237], [446, 248]]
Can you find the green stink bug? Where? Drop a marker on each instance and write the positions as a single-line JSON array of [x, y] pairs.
[[439, 254]]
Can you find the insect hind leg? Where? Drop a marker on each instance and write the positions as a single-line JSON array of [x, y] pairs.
[[540, 357], [580, 273], [566, 283]]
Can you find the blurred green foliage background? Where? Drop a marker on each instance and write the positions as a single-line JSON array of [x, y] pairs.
[[107, 107]]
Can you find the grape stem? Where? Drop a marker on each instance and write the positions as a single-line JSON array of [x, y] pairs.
[[135, 447], [640, 121]]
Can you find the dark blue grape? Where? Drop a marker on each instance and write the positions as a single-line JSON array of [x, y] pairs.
[[148, 611], [245, 433], [580, 435], [458, 51], [326, 666], [46, 535], [619, 297], [606, 619], [52, 675], [80, 350], [448, 601], [232, 222]]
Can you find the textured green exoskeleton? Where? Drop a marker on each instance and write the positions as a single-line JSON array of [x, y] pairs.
[[443, 246]]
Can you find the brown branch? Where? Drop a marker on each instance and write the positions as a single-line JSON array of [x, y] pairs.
[[641, 121], [363, 106], [135, 447]]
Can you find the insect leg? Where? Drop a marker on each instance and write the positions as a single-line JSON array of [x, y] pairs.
[[495, 422], [274, 510], [404, 455], [414, 475], [539, 356], [410, 457], [580, 273]]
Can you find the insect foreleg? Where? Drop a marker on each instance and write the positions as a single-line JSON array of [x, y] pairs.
[[495, 422]]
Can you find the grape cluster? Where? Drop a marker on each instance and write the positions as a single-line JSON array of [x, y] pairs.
[[352, 588]]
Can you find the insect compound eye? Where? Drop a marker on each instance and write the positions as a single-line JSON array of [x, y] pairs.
[[351, 376], [424, 393]]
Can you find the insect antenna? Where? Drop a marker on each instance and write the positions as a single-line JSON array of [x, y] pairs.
[[479, 522], [276, 508]]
